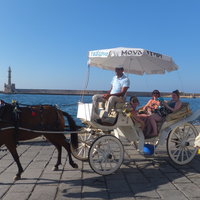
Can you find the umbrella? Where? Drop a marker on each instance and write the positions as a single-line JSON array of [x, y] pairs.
[[133, 60]]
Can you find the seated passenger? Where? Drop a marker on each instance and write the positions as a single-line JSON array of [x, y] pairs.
[[152, 104], [134, 113], [171, 106], [119, 87]]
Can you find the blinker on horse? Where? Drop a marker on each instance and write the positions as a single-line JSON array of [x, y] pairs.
[[17, 124]]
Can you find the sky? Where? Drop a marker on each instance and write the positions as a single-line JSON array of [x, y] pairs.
[[46, 42]]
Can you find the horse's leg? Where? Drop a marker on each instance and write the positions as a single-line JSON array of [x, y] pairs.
[[59, 149], [66, 145], [12, 148], [60, 140], [74, 139]]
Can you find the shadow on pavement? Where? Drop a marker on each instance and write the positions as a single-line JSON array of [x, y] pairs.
[[139, 178]]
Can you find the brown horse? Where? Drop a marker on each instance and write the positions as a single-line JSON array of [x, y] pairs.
[[19, 124]]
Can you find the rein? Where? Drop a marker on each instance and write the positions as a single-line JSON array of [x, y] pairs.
[[7, 128], [42, 132]]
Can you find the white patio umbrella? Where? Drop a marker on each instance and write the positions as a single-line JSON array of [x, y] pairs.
[[133, 60]]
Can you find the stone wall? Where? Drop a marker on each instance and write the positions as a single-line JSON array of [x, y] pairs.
[[92, 92]]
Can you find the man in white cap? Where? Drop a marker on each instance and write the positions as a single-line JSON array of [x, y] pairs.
[[119, 86]]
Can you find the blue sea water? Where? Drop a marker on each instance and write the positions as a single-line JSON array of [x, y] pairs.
[[68, 103]]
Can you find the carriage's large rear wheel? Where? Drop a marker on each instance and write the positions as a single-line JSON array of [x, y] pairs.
[[180, 144], [106, 154]]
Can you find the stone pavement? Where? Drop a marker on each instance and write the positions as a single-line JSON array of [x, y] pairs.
[[138, 178]]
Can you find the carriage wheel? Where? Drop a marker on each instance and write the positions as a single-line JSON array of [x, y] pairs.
[[106, 154], [85, 140], [180, 144]]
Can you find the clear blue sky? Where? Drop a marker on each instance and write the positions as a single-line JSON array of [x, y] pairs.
[[46, 42]]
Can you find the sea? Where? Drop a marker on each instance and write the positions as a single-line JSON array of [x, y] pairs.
[[68, 103]]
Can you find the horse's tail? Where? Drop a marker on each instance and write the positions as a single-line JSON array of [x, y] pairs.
[[73, 127]]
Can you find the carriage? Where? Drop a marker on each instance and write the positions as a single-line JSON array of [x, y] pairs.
[[100, 144]]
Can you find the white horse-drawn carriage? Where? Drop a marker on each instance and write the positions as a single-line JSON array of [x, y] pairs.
[[100, 144]]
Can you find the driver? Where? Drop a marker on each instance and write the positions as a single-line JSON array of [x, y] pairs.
[[119, 86]]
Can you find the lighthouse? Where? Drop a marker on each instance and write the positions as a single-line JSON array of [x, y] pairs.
[[9, 76], [9, 87]]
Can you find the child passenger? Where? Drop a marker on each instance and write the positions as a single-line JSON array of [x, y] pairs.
[[152, 104], [134, 113]]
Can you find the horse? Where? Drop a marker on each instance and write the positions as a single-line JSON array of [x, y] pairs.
[[20, 123]]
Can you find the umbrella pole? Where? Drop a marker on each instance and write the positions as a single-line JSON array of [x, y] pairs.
[[86, 83]]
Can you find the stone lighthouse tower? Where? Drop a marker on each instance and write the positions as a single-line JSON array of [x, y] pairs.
[[9, 76], [9, 88]]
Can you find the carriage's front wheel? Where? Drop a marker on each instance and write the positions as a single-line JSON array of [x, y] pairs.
[[106, 154], [180, 144], [85, 139]]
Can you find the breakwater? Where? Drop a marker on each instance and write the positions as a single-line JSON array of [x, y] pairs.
[[92, 92]]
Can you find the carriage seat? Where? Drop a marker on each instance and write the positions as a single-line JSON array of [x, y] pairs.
[[183, 112], [112, 116], [176, 116]]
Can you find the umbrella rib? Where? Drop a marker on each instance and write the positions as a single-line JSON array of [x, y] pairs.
[[143, 71]]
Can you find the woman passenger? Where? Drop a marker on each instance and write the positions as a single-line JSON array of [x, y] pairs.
[[171, 106], [152, 104]]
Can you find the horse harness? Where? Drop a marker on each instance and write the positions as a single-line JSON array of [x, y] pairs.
[[15, 118]]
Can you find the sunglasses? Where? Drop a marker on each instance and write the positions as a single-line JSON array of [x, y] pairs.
[[155, 92]]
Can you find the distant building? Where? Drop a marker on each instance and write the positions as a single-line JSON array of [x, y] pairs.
[[10, 87]]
